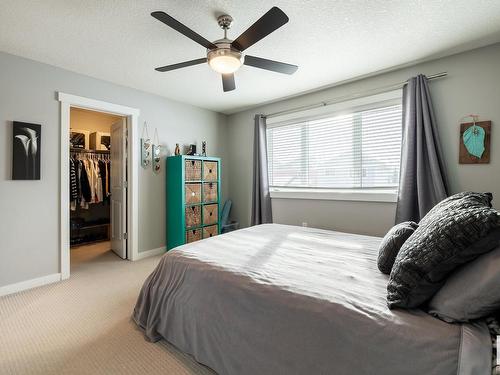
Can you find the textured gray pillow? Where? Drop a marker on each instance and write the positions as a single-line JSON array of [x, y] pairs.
[[391, 243], [456, 231], [471, 292]]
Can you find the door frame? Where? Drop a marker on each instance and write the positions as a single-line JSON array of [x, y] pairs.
[[132, 114]]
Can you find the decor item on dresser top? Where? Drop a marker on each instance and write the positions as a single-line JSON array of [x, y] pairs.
[[193, 198], [177, 149], [422, 181], [191, 150], [454, 232], [26, 139], [204, 148], [391, 244], [145, 147], [475, 139], [471, 292]]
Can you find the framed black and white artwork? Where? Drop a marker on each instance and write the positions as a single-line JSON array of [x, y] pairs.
[[26, 142]]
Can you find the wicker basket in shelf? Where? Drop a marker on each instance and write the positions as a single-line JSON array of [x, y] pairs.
[[210, 192], [210, 170], [193, 170], [193, 235], [193, 193], [210, 231], [210, 212], [193, 216]]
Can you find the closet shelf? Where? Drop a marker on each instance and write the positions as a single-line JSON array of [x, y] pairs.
[[93, 226], [85, 151]]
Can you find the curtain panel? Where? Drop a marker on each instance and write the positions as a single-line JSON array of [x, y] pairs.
[[422, 181], [261, 198]]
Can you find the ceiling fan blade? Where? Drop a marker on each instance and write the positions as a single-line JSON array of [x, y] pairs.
[[265, 25], [228, 82], [176, 25], [184, 64], [275, 66]]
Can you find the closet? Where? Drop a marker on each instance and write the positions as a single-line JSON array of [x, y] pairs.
[[89, 195], [90, 177]]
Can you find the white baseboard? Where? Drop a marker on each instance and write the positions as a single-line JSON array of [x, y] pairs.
[[28, 284], [150, 253]]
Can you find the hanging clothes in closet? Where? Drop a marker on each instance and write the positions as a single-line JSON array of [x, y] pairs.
[[89, 178]]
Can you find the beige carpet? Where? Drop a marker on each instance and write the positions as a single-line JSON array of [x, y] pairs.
[[82, 325]]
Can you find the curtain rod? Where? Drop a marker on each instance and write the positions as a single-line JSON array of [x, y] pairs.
[[328, 102]]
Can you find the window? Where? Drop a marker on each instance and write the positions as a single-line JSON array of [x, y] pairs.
[[353, 150]]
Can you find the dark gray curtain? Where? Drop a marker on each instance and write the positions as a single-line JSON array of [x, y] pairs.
[[261, 200], [422, 181]]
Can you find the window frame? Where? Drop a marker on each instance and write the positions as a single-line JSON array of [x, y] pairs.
[[386, 195]]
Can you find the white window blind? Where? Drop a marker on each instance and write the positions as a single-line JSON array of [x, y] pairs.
[[356, 150]]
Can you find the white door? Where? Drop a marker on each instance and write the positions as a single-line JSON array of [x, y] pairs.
[[119, 188]]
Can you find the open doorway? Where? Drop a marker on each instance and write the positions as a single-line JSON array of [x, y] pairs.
[[97, 175], [127, 235]]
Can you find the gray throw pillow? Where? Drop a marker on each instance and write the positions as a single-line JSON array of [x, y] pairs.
[[471, 292], [391, 243], [457, 230]]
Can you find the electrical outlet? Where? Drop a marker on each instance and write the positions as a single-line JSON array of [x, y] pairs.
[[304, 224]]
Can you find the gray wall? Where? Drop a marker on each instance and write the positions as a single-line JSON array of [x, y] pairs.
[[472, 86], [29, 210]]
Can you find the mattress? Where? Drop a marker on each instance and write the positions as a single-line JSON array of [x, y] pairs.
[[277, 299]]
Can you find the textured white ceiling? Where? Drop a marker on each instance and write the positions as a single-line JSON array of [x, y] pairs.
[[330, 40]]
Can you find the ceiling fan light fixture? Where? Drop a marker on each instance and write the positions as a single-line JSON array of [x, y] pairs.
[[224, 60]]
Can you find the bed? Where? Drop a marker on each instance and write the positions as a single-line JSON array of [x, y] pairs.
[[277, 299]]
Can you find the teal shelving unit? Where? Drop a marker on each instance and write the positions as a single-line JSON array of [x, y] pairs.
[[193, 198]]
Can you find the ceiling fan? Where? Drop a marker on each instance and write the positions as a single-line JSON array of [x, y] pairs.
[[225, 56]]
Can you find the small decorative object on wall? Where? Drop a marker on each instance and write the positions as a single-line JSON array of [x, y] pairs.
[[26, 151], [204, 148], [192, 150], [145, 147], [156, 153], [475, 141], [177, 149]]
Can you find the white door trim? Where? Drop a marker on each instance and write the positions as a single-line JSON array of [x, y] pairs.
[[132, 114]]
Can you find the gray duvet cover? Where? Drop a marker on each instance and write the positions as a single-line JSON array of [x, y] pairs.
[[276, 299]]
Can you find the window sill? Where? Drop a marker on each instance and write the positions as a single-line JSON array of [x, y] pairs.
[[389, 195]]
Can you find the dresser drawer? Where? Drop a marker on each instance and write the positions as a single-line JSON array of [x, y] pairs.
[[210, 231], [210, 214], [193, 216], [193, 193], [192, 170], [210, 170], [193, 235], [210, 192]]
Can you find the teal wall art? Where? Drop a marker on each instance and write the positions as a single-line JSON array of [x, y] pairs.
[[475, 141]]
